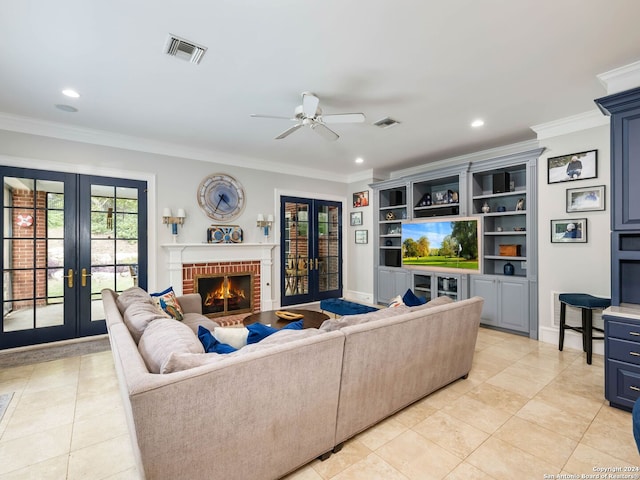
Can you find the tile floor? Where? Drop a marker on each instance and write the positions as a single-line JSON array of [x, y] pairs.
[[526, 411]]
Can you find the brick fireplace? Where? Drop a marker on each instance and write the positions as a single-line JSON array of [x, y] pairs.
[[225, 287], [188, 261]]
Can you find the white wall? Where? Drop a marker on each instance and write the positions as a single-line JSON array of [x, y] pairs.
[[173, 183], [572, 267], [359, 274]]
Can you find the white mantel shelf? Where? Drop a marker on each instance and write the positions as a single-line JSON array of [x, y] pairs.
[[181, 253]]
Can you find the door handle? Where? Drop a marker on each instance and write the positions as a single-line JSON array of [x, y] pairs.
[[84, 277], [69, 278]]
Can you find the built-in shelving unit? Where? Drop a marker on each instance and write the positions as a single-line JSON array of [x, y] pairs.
[[505, 187]]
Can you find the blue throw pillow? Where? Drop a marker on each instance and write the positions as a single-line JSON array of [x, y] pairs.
[[210, 344], [259, 331], [297, 325], [411, 300]]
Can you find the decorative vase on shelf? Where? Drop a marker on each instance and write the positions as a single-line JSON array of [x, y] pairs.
[[509, 269], [486, 208]]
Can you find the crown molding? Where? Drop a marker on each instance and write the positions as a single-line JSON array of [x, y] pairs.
[[621, 79], [32, 126], [468, 158], [574, 123]]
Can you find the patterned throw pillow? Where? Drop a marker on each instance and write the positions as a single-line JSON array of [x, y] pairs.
[[168, 302]]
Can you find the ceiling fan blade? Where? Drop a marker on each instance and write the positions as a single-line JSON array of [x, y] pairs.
[[288, 131], [344, 118], [309, 104], [324, 131], [257, 115]]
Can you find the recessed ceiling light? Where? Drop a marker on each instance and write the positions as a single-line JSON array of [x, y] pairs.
[[359, 160], [66, 108], [477, 123], [70, 93]]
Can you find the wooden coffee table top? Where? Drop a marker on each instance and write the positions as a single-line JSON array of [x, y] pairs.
[[310, 319]]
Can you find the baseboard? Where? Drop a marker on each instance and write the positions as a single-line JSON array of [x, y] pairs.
[[358, 297], [572, 340]]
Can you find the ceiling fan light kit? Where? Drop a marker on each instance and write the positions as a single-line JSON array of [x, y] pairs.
[[309, 114]]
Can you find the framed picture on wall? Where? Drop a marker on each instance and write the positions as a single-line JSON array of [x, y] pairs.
[[362, 236], [361, 199], [356, 219], [575, 166], [587, 199], [569, 230]]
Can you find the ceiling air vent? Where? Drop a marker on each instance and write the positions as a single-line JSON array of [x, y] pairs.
[[184, 49], [386, 122]]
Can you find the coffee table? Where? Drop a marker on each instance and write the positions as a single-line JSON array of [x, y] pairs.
[[310, 319]]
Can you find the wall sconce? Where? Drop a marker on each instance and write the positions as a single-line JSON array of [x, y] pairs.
[[169, 219], [265, 224]]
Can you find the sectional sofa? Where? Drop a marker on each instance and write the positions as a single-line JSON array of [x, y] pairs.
[[273, 406]]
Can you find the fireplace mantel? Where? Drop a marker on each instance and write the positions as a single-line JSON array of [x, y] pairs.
[[181, 253]]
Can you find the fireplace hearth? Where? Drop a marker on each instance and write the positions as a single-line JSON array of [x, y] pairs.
[[225, 294]]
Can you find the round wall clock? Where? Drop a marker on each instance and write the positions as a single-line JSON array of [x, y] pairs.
[[221, 197]]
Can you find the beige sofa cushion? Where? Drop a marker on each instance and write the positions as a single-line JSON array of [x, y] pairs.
[[163, 337], [192, 320], [336, 324], [436, 302], [137, 317], [177, 362], [132, 295]]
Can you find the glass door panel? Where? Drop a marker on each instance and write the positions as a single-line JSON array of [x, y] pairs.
[[35, 257], [296, 248], [112, 257]]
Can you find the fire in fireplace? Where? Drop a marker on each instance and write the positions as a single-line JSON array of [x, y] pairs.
[[225, 294]]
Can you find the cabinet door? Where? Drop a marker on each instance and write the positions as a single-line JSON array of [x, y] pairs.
[[514, 304], [486, 287], [391, 283], [626, 171]]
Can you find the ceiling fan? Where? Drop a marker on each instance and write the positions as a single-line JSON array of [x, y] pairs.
[[309, 114]]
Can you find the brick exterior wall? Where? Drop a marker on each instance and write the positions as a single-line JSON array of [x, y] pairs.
[[23, 255]]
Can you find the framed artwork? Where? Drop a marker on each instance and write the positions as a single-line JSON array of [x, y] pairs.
[[362, 236], [576, 166], [587, 199], [569, 230], [356, 219], [361, 199]]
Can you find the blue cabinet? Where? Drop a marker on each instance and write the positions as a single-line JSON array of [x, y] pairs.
[[624, 109], [622, 356]]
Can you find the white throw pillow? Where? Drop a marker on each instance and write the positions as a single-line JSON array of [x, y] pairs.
[[396, 302], [234, 336]]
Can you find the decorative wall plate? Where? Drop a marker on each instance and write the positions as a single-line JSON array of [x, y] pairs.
[[221, 197]]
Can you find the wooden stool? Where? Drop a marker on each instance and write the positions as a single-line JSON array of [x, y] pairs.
[[587, 303]]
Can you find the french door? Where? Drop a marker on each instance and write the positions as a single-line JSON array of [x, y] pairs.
[[311, 250], [65, 237]]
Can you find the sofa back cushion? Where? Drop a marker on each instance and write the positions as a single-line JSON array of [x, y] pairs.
[[130, 296], [138, 316], [163, 337], [436, 302], [336, 324], [183, 361]]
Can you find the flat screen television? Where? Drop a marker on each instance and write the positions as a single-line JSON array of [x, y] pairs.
[[447, 244]]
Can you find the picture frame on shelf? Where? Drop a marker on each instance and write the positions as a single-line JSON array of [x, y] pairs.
[[572, 167], [569, 230], [587, 199], [362, 236], [361, 199], [355, 219]]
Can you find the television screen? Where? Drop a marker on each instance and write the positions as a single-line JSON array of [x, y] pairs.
[[442, 244]]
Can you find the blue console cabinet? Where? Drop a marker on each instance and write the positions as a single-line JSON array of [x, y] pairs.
[[622, 319], [622, 356]]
